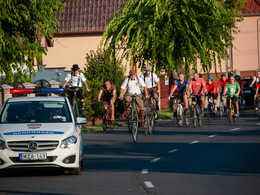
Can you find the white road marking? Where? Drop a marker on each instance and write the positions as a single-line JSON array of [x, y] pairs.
[[235, 129], [155, 160], [194, 142], [174, 150], [213, 135], [149, 184], [145, 171]]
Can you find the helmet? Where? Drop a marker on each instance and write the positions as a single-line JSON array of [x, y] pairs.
[[237, 77], [230, 74], [210, 79]]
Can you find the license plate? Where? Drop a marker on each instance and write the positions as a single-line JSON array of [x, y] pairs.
[[33, 156], [247, 91]]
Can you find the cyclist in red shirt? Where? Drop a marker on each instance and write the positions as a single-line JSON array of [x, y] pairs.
[[221, 84], [212, 91]]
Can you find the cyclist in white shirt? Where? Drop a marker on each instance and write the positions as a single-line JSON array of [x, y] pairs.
[[152, 81], [75, 79], [132, 84]]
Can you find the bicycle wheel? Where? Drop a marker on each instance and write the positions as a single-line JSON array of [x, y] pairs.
[[147, 121], [194, 117], [104, 121], [179, 115], [75, 106], [134, 123], [186, 118], [259, 110], [221, 109], [112, 125], [229, 115], [200, 119]]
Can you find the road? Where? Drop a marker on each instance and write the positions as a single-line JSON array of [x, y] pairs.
[[218, 158]]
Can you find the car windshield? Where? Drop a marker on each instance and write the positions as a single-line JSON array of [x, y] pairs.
[[36, 112]]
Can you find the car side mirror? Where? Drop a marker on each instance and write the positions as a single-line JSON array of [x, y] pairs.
[[81, 120]]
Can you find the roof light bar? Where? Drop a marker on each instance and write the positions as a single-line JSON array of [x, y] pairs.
[[37, 90]]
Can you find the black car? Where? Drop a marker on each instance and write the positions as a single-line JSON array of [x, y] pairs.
[[249, 92]]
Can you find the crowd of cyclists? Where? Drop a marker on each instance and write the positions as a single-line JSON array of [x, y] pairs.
[[148, 84]]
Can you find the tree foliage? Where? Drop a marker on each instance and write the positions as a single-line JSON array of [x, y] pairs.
[[174, 34], [21, 23], [102, 65]]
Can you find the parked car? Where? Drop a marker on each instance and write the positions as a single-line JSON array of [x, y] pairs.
[[249, 92], [40, 132]]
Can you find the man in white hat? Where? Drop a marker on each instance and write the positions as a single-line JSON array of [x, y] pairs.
[[75, 79], [153, 85]]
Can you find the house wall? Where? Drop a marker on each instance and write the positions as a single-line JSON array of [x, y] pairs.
[[71, 49]]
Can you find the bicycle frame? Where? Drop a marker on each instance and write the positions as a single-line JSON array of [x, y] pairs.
[[196, 111]]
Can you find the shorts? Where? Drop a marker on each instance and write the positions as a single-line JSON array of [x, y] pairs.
[[153, 92], [198, 98], [79, 94], [108, 99], [214, 96]]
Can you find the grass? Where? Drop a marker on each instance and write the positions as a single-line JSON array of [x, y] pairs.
[[165, 114], [91, 128]]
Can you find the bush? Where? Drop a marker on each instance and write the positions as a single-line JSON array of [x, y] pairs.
[[102, 65]]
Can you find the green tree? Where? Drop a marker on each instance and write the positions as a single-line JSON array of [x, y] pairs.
[[102, 65], [174, 34], [21, 23]]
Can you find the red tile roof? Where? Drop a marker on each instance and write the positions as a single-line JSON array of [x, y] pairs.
[[93, 15], [87, 15], [252, 7]]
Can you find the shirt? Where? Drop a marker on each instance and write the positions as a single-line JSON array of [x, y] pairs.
[[227, 81], [211, 88], [258, 85], [148, 80], [232, 89], [75, 80], [197, 86], [108, 92], [182, 86], [133, 85], [221, 82], [241, 84]]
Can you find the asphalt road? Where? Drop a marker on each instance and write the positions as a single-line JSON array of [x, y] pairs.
[[218, 158]]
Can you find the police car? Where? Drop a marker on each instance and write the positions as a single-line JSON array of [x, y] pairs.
[[40, 132]]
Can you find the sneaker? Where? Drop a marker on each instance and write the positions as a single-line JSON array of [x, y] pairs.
[[256, 108], [236, 115]]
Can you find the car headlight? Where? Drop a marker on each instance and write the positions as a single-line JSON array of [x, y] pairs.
[[68, 142], [2, 145]]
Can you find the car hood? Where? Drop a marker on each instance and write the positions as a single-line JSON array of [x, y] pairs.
[[50, 131]]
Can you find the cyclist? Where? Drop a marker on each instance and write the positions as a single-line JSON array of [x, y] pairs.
[[75, 79], [173, 95], [182, 87], [132, 84], [109, 96], [257, 80], [233, 90], [241, 84], [221, 84], [213, 92], [152, 81], [198, 88]]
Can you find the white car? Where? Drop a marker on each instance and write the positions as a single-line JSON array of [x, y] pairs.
[[40, 132]]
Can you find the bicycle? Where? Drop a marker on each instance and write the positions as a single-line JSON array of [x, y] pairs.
[[211, 107], [149, 115], [106, 118], [181, 115], [242, 104], [133, 118], [231, 111], [74, 101], [221, 109], [196, 112], [258, 105]]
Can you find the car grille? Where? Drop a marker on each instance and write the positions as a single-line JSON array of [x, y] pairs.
[[48, 159], [23, 146]]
